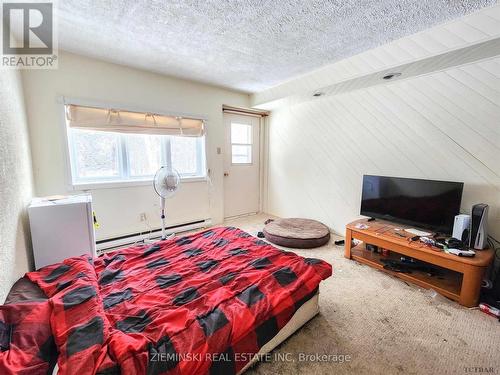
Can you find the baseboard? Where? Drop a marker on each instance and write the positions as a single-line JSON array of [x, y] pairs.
[[111, 243]]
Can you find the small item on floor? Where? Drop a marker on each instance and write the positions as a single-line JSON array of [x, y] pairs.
[[490, 310], [339, 242], [260, 235], [268, 221]]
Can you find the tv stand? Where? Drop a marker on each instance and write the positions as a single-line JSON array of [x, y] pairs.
[[460, 278]]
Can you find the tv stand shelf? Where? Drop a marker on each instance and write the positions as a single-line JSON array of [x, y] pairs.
[[460, 278]]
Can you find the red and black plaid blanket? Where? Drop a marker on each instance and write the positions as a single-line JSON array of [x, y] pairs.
[[191, 305]]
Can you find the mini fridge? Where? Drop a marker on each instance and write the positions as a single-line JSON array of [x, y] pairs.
[[61, 228]]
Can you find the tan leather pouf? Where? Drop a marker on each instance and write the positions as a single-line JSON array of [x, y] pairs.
[[297, 233]]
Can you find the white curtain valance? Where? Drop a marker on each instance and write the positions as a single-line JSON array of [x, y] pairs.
[[123, 121]]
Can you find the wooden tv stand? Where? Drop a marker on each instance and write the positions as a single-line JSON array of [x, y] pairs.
[[460, 277]]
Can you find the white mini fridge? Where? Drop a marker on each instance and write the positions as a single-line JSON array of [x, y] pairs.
[[61, 228]]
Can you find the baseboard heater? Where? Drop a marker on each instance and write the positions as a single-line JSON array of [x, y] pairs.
[[111, 243]]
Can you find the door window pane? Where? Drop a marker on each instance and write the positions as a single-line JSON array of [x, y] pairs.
[[144, 154], [184, 154], [96, 154], [241, 154], [241, 143], [241, 133]]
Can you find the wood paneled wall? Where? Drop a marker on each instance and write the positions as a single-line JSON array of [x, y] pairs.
[[444, 125]]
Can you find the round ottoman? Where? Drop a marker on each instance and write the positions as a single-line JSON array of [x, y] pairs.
[[297, 233]]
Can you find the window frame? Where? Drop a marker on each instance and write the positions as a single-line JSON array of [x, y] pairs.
[[231, 144], [124, 179]]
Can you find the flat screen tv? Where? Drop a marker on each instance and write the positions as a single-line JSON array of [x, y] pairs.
[[426, 204]]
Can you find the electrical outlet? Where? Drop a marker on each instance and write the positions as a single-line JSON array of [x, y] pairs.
[[143, 217]]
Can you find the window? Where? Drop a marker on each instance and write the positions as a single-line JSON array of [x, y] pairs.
[[241, 143], [99, 157], [96, 155], [144, 154]]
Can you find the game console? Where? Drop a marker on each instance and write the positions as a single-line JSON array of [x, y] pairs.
[[461, 228], [478, 235]]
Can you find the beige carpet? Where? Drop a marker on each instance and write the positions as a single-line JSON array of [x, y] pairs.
[[385, 325]]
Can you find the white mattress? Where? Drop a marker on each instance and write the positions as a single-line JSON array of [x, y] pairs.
[[305, 313]]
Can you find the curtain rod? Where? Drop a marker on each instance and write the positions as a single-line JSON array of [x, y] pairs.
[[101, 104], [247, 111]]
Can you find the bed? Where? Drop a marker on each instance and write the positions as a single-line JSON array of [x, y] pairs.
[[200, 304]]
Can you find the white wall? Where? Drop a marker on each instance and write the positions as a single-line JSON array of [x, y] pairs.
[[15, 183], [118, 209], [444, 125]]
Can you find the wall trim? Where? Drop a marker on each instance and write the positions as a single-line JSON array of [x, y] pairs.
[[132, 238]]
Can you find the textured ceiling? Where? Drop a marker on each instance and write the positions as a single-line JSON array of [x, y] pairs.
[[249, 45]]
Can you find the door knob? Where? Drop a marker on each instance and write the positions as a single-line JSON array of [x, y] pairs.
[[226, 174]]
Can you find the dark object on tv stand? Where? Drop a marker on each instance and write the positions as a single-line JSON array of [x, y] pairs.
[[479, 236], [407, 267], [426, 204], [455, 243]]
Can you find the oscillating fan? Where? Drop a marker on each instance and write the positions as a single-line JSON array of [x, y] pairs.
[[165, 183]]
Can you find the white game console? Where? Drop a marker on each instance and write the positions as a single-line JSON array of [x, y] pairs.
[[461, 228]]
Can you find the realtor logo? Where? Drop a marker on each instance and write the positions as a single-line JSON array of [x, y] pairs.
[[28, 35]]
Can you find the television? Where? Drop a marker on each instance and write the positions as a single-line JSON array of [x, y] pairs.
[[426, 204]]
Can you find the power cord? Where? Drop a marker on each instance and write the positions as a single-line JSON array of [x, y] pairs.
[[146, 221], [495, 245], [149, 227], [494, 271]]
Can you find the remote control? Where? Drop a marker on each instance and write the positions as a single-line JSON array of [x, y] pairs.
[[461, 253]]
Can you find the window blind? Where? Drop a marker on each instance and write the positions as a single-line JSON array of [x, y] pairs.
[[123, 121]]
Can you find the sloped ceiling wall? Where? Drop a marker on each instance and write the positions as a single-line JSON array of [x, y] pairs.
[[425, 51], [444, 125]]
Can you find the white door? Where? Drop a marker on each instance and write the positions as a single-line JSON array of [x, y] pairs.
[[241, 164]]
